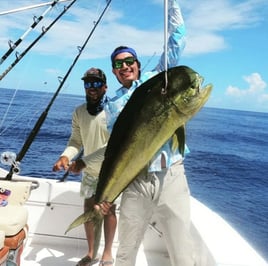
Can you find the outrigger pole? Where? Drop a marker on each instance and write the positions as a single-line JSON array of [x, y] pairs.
[[43, 116], [13, 46], [29, 7], [44, 31]]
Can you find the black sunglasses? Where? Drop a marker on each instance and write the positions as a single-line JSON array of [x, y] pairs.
[[118, 63], [94, 85]]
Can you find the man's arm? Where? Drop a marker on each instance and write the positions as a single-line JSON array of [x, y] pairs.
[[72, 149], [92, 161]]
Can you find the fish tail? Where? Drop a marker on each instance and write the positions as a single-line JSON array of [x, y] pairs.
[[93, 216]]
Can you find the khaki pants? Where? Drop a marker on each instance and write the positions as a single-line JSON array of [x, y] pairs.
[[165, 195]]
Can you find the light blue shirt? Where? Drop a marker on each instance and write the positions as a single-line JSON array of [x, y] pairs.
[[176, 43]]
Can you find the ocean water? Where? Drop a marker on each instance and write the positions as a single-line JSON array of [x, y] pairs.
[[227, 168]]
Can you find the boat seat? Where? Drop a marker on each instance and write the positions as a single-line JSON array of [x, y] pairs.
[[19, 191], [3, 249], [14, 216], [2, 239], [13, 195], [13, 219]]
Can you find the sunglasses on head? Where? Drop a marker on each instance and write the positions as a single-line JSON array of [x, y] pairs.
[[93, 84], [118, 63]]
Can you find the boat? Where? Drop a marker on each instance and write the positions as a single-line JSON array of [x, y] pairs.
[[36, 212], [50, 206]]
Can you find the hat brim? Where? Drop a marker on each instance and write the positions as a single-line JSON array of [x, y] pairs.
[[90, 78]]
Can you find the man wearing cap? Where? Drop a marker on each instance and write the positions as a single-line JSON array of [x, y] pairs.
[[89, 132], [160, 191]]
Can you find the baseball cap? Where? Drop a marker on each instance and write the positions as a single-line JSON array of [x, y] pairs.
[[94, 73]]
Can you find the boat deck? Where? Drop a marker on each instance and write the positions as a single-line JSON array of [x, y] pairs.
[[47, 251], [52, 206]]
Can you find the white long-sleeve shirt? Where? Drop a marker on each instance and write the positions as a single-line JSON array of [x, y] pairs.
[[88, 132]]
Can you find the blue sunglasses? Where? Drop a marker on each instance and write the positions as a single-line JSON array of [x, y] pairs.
[[94, 85]]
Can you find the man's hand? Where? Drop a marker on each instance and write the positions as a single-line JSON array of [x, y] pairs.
[[76, 166], [63, 162], [104, 207]]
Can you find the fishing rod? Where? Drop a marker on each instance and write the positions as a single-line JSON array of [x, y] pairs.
[[13, 46], [44, 31], [66, 174], [28, 7], [43, 116]]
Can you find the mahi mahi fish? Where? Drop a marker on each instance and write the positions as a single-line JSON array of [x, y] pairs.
[[156, 112]]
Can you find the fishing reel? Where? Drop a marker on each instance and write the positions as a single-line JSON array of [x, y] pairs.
[[9, 158]]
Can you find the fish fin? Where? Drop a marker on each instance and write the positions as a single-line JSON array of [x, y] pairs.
[[90, 216], [175, 144], [178, 140], [97, 236]]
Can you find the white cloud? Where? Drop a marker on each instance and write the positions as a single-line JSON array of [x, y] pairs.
[[234, 91], [68, 33], [205, 20], [263, 98], [254, 92], [204, 42], [257, 85]]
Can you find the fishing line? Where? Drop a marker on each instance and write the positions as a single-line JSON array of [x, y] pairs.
[[6, 113], [13, 46], [18, 112], [44, 31], [43, 116], [148, 62], [164, 89], [19, 117]]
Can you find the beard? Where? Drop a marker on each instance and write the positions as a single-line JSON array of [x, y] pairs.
[[94, 107]]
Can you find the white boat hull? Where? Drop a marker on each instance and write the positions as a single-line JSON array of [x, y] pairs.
[[53, 206]]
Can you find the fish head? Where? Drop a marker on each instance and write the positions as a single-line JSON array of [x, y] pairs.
[[185, 90]]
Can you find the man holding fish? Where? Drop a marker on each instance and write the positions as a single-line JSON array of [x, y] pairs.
[[160, 189]]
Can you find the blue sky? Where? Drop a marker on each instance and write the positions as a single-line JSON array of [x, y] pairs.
[[227, 43]]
